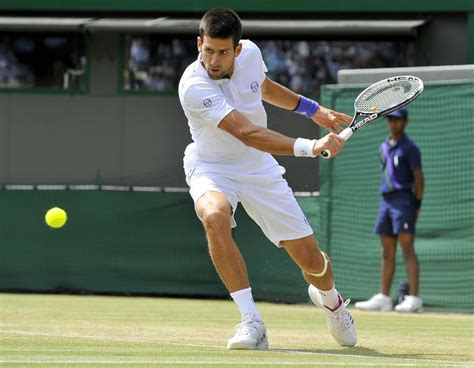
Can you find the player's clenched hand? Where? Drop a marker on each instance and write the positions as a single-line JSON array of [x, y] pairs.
[[331, 142], [331, 120]]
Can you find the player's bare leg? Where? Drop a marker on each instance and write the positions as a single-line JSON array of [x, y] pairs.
[[215, 212], [306, 254], [389, 251], [411, 302], [407, 241], [317, 270]]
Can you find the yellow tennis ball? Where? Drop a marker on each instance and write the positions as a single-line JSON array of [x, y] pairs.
[[56, 217]]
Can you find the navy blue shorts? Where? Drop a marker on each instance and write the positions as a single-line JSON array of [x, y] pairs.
[[397, 214]]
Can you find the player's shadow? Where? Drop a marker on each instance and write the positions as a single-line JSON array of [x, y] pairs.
[[356, 351]]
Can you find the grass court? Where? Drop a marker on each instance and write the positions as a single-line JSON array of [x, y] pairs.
[[106, 331]]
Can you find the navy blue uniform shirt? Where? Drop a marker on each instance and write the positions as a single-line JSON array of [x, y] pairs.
[[398, 162]]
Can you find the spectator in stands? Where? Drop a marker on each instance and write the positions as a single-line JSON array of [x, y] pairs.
[[303, 65], [40, 60]]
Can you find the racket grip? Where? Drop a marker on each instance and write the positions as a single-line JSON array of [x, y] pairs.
[[346, 134]]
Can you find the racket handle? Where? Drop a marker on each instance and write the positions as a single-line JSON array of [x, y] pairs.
[[346, 134]]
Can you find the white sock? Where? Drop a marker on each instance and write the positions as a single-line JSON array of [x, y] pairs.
[[330, 298], [244, 300]]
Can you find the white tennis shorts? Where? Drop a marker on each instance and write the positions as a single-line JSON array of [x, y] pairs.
[[266, 198]]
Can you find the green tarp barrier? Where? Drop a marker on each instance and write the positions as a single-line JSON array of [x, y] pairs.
[[441, 123]]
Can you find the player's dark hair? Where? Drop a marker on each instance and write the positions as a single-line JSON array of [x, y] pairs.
[[221, 23]]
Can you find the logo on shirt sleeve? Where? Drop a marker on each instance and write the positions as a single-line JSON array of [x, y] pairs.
[[254, 86], [207, 103]]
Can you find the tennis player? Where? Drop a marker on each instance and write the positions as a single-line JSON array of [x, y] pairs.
[[230, 161], [402, 187]]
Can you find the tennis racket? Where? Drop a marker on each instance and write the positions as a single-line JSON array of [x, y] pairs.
[[380, 99]]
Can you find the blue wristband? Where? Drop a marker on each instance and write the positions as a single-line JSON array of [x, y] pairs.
[[306, 107]]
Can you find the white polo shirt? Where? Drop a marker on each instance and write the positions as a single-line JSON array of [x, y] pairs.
[[218, 162], [206, 102]]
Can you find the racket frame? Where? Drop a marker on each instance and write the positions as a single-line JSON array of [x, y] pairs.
[[370, 117]]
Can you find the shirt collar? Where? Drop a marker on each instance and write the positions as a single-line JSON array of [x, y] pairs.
[[397, 143], [202, 71]]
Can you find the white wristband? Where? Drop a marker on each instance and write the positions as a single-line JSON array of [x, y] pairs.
[[304, 147]]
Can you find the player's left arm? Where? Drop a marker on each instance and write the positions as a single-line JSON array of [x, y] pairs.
[[280, 96], [419, 187], [414, 159]]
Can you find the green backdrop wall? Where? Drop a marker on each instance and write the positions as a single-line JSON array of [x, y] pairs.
[[130, 242]]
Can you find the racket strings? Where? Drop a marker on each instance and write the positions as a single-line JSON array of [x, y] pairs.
[[382, 97]]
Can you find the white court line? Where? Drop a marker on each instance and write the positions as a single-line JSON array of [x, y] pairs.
[[152, 339], [214, 362]]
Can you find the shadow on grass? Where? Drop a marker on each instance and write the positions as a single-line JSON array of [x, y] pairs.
[[358, 351]]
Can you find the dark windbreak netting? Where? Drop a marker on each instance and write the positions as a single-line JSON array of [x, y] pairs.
[[441, 124]]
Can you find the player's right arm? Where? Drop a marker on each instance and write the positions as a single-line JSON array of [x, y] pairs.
[[204, 102], [270, 141]]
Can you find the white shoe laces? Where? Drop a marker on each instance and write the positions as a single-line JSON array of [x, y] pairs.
[[246, 328], [342, 317]]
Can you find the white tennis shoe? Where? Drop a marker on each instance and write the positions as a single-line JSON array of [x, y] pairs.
[[379, 302], [340, 322], [410, 304], [249, 335]]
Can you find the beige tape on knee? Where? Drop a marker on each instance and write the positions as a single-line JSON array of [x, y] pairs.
[[325, 268]]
